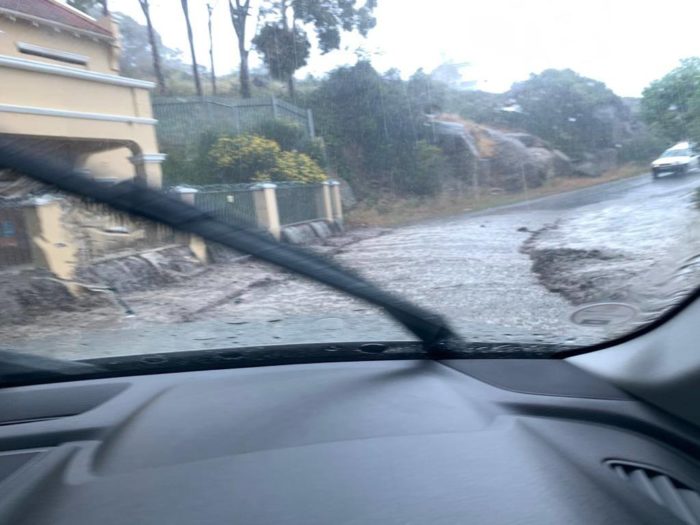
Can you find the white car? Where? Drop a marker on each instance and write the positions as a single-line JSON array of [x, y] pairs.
[[680, 158]]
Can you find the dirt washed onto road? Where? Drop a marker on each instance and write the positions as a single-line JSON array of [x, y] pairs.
[[643, 251]]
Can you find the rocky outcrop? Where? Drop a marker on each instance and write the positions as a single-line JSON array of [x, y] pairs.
[[516, 166], [498, 159], [528, 140]]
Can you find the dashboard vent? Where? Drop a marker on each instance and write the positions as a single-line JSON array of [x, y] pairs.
[[668, 492]]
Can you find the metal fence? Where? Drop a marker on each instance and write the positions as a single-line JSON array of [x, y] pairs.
[[229, 202], [298, 202], [182, 120]]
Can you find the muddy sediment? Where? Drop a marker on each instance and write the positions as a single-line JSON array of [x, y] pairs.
[[579, 275]]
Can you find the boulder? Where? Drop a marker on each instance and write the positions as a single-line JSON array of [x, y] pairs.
[[511, 166], [542, 161], [528, 140], [460, 146]]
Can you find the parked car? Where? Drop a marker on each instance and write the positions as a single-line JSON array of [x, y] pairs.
[[681, 158]]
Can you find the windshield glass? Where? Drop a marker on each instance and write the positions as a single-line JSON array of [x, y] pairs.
[[676, 153], [490, 163]]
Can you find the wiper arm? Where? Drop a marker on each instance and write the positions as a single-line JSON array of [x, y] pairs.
[[137, 199]]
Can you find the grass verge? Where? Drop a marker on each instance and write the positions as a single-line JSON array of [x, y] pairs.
[[397, 211]]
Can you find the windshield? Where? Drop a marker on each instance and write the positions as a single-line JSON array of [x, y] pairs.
[[676, 153], [490, 164]]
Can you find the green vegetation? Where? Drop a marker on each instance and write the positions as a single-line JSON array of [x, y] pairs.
[[671, 105], [377, 128], [375, 131], [576, 114], [246, 158]]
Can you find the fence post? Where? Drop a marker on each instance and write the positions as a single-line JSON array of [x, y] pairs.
[[275, 111], [197, 245], [337, 203], [324, 202], [310, 120], [266, 212]]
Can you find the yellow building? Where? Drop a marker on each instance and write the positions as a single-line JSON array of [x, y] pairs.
[[61, 92]]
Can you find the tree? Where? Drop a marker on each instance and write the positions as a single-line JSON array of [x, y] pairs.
[[327, 18], [284, 51], [160, 80], [574, 113], [671, 105], [90, 7], [375, 132], [190, 37], [239, 11], [210, 10]]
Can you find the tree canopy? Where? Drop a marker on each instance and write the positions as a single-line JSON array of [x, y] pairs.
[[671, 105], [574, 113], [283, 51], [374, 128]]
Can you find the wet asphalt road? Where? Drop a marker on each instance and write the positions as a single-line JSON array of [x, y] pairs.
[[620, 241]]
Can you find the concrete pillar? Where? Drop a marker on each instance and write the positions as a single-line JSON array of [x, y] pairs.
[[186, 194], [325, 202], [148, 168], [337, 203], [266, 212], [197, 245]]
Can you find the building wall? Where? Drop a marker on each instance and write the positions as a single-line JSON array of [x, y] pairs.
[[89, 111], [100, 53], [111, 164]]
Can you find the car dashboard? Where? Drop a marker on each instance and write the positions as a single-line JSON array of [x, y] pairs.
[[401, 441]]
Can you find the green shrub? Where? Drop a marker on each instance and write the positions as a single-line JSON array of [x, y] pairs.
[[292, 137], [190, 165], [643, 148], [422, 175], [298, 167], [289, 135], [246, 158]]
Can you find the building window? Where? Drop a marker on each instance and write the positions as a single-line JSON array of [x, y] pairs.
[[53, 54]]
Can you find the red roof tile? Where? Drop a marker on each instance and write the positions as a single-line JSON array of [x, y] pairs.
[[54, 12]]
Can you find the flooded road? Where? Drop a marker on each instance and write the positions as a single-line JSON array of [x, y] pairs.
[[516, 273]]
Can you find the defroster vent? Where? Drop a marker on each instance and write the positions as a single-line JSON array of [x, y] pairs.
[[668, 492]]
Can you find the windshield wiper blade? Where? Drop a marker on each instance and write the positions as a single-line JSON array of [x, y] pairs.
[[140, 200]]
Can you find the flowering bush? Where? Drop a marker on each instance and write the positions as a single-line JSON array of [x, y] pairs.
[[298, 167], [246, 158]]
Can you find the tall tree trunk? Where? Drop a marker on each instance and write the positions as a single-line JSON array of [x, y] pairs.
[[160, 80], [210, 9], [195, 67], [239, 14]]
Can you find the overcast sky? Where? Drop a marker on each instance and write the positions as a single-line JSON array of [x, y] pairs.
[[624, 43]]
